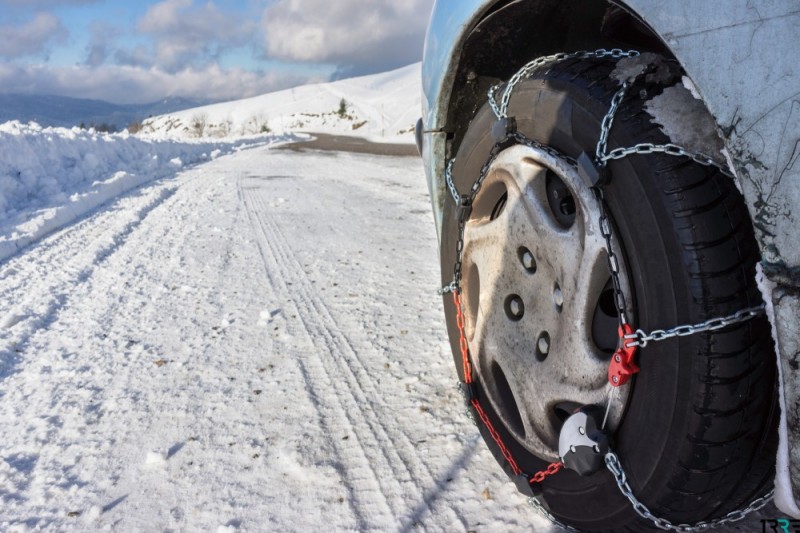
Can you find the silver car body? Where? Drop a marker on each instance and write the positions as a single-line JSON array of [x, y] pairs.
[[741, 58]]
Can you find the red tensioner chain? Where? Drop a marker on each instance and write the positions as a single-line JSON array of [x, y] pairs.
[[466, 365]]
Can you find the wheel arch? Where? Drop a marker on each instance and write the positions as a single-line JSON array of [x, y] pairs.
[[508, 33], [739, 62], [474, 44]]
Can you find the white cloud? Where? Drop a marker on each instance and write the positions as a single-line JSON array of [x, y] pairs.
[[187, 34], [101, 38], [32, 37], [177, 46], [128, 84], [357, 35]]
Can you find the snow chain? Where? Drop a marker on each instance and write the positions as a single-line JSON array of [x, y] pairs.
[[622, 367]]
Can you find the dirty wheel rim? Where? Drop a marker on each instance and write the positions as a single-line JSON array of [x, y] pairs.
[[536, 288]]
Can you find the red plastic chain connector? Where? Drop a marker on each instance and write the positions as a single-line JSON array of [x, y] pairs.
[[467, 369], [496, 437], [622, 366], [462, 341], [552, 469]]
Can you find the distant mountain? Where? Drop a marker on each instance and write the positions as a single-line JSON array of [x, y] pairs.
[[48, 110]]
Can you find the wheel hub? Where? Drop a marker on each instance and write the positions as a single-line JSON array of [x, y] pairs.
[[535, 288]]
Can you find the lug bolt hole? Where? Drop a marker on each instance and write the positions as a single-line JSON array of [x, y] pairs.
[[527, 260], [514, 307], [558, 297], [542, 346]]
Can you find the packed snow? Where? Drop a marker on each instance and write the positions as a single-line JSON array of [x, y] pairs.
[[251, 344], [380, 107]]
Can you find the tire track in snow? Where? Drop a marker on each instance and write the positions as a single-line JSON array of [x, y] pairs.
[[357, 392], [49, 280], [354, 464]]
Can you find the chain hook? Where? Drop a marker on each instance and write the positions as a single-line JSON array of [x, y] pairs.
[[622, 366]]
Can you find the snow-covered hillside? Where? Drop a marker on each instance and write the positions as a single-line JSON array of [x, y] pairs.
[[380, 107]]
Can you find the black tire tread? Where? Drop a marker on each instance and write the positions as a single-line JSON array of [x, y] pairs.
[[707, 193]]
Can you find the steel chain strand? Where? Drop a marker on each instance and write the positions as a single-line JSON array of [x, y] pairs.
[[608, 121], [492, 101], [531, 143], [669, 149], [612, 461], [602, 156], [501, 109], [539, 508], [642, 338], [465, 206], [615, 467], [448, 175], [620, 302]]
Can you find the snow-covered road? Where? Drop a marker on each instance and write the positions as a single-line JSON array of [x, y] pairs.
[[255, 344]]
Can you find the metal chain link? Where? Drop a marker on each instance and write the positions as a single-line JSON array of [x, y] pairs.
[[620, 302], [501, 109], [615, 467], [537, 505], [669, 149], [520, 139], [448, 174], [602, 156], [642, 338], [605, 220], [743, 315], [464, 204], [608, 121], [531, 143]]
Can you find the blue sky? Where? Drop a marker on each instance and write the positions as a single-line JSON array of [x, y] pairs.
[[142, 51]]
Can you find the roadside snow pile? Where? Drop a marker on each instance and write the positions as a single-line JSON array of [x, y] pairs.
[[381, 107], [49, 177]]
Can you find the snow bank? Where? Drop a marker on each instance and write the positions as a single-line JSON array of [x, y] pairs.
[[50, 177], [381, 107]]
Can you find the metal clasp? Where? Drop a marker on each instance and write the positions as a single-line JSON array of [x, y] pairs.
[[622, 366], [582, 444]]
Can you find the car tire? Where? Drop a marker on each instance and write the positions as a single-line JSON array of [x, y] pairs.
[[698, 434]]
